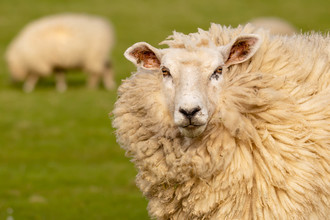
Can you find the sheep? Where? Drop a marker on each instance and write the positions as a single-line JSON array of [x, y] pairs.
[[63, 41], [229, 123], [274, 25]]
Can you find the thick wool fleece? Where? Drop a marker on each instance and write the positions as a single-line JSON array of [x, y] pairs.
[[61, 41], [265, 153]]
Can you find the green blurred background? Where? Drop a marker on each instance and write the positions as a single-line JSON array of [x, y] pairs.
[[58, 154]]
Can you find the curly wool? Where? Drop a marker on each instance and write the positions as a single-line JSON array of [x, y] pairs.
[[265, 153]]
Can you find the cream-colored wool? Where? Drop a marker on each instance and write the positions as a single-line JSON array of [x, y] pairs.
[[60, 42], [265, 153], [274, 25]]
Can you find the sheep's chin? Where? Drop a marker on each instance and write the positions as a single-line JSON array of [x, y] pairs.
[[192, 132]]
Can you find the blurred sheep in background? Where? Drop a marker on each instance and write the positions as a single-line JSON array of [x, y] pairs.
[[56, 43], [275, 25]]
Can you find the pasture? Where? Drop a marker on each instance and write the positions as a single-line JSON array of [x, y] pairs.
[[58, 155]]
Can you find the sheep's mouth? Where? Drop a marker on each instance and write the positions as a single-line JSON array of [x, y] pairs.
[[192, 126], [192, 130]]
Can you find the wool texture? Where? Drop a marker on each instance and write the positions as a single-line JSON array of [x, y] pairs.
[[265, 153]]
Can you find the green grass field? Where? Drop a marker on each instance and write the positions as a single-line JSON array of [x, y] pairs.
[[58, 155]]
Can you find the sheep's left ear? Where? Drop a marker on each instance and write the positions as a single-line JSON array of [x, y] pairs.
[[143, 55], [241, 49]]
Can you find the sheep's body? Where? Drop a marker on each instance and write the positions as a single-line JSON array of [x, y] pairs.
[[265, 153], [62, 42], [274, 25]]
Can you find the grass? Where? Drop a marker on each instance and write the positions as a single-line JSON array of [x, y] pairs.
[[58, 154]]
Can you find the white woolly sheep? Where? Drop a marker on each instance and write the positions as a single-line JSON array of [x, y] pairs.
[[274, 25], [59, 42], [230, 123]]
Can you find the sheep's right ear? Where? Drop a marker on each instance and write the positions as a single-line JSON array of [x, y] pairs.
[[143, 55]]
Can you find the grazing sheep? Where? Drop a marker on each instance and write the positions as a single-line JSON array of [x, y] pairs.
[[59, 42], [230, 123], [274, 25]]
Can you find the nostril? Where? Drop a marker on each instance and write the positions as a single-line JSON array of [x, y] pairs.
[[189, 113], [184, 112], [195, 110]]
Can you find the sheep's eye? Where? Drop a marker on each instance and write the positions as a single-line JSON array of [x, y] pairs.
[[217, 73], [166, 72]]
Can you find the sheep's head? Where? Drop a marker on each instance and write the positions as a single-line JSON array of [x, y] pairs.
[[16, 65], [192, 77]]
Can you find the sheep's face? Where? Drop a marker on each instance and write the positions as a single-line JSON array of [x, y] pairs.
[[192, 78]]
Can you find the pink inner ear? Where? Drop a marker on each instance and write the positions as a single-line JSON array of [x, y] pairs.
[[240, 50], [146, 56], [150, 60]]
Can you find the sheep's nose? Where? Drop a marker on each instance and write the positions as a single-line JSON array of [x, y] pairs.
[[189, 113]]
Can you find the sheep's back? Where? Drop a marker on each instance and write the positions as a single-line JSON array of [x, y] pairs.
[[64, 41]]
